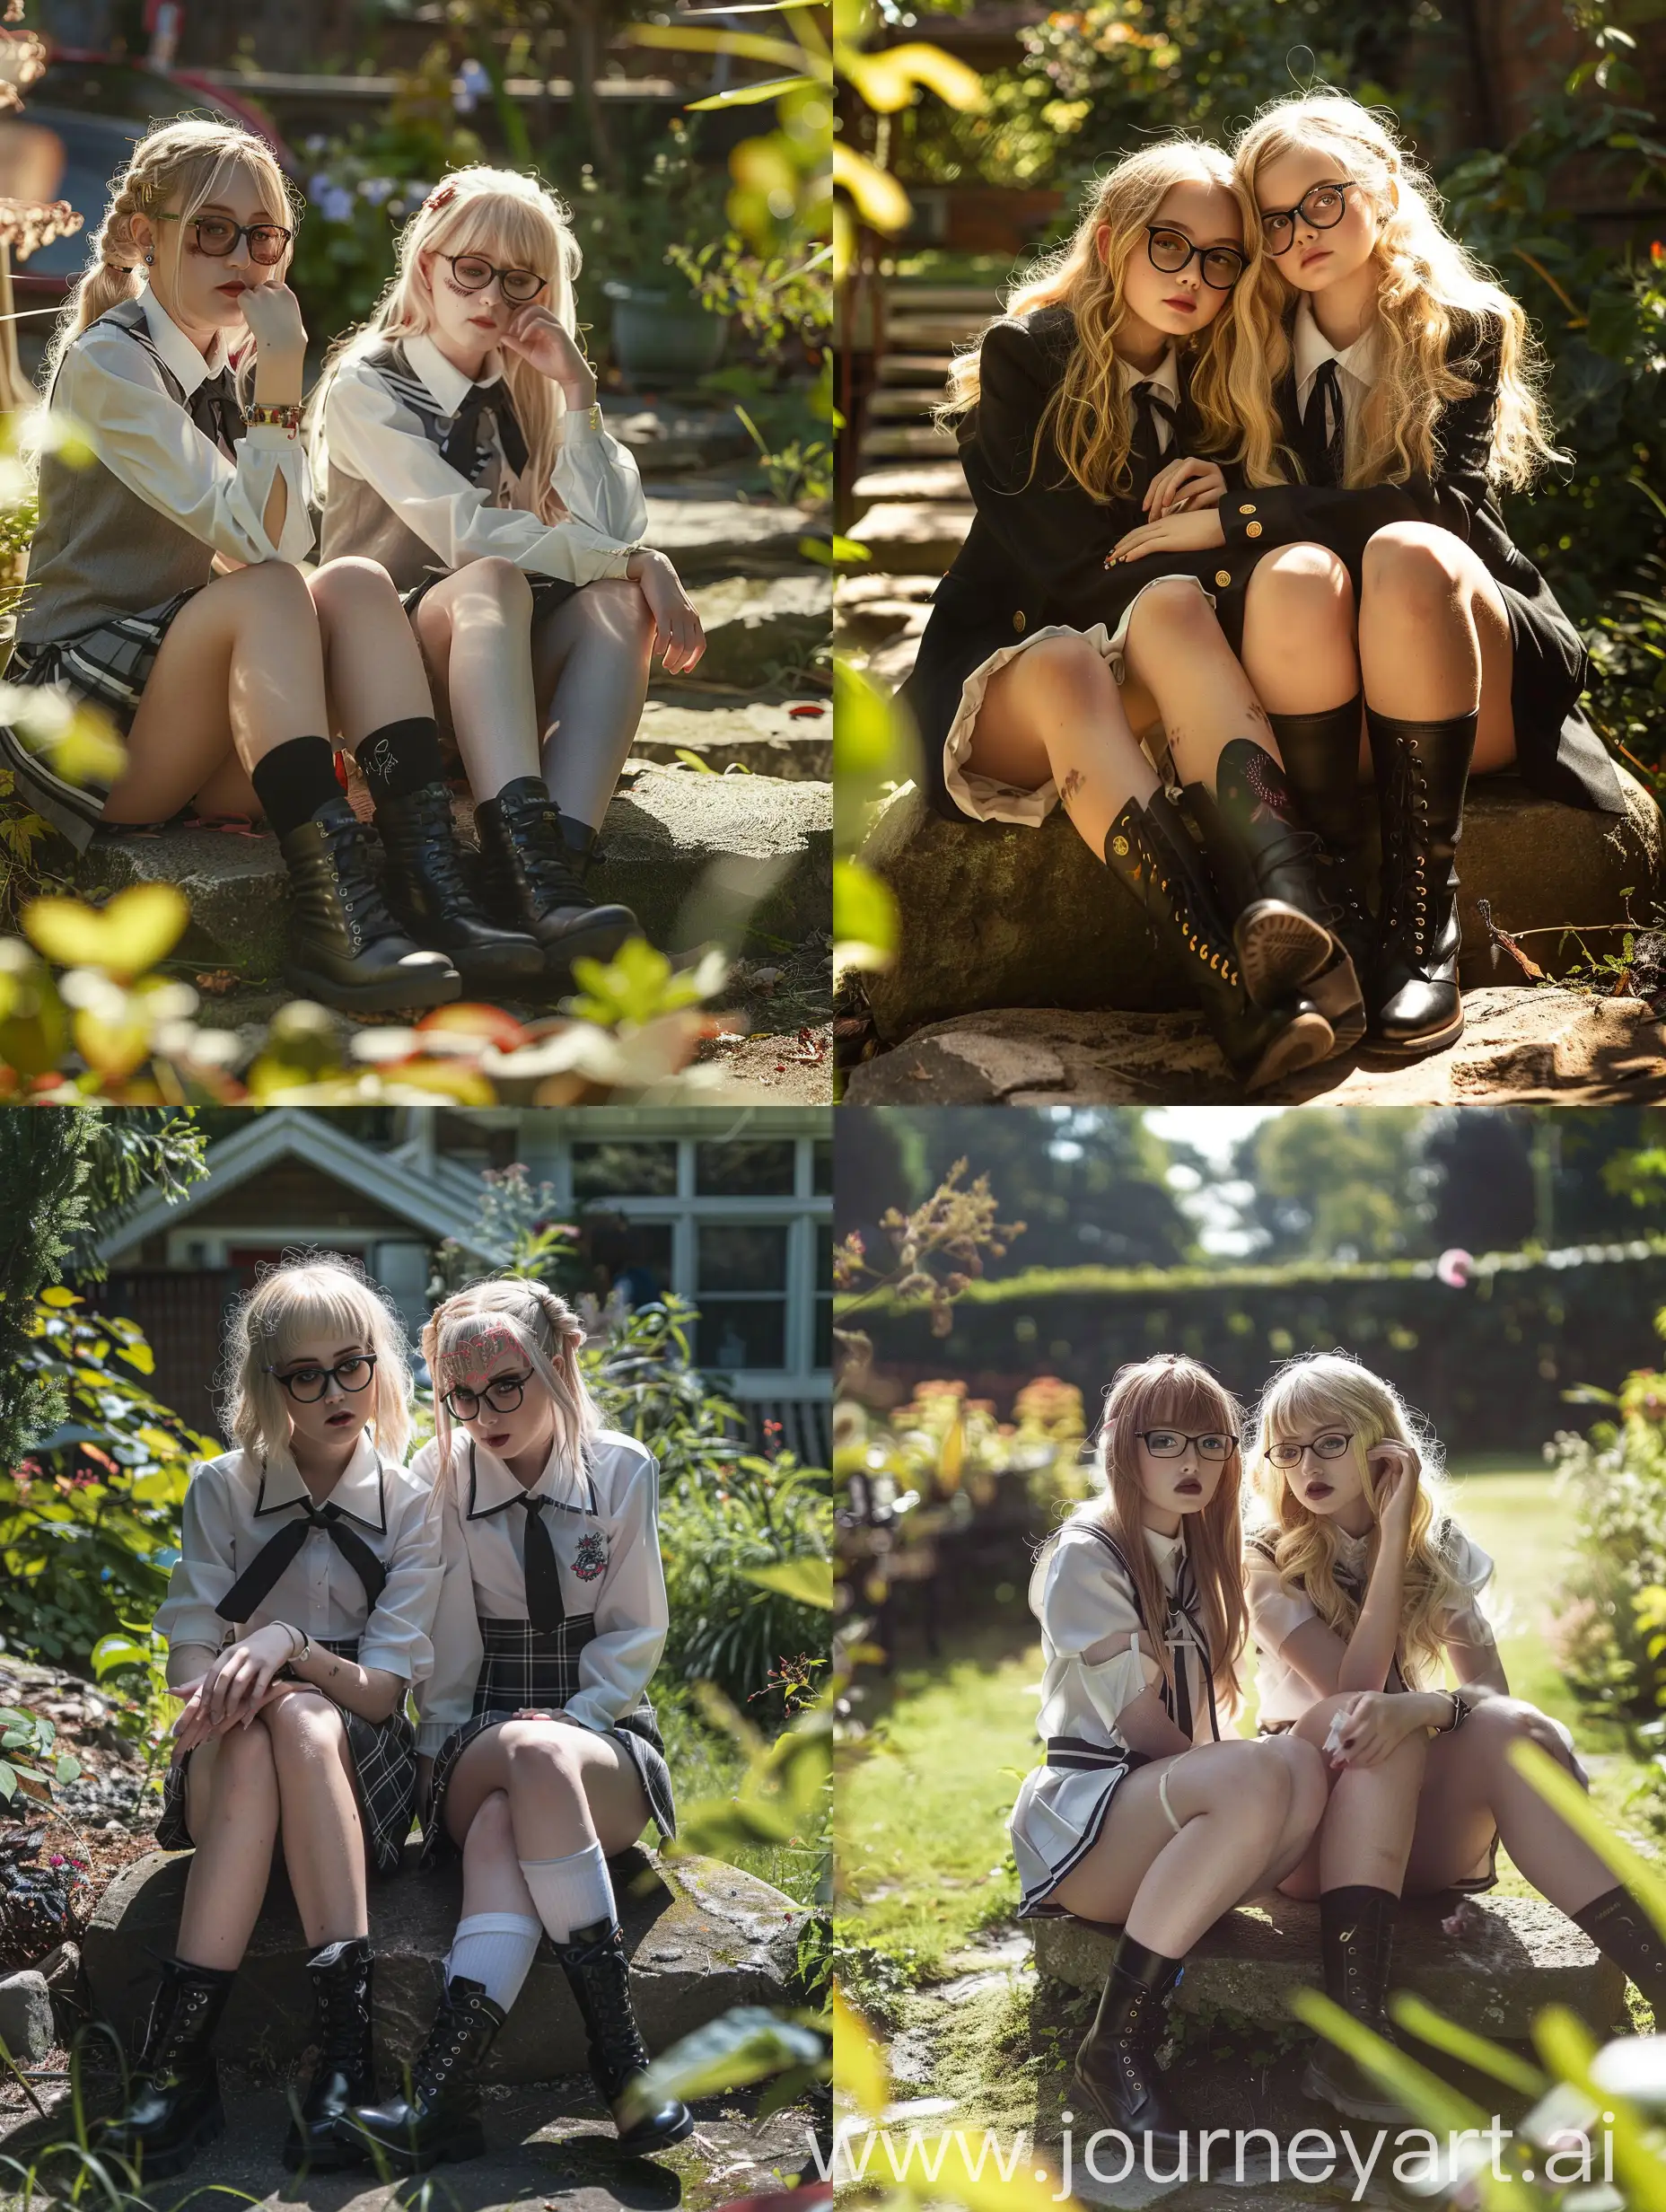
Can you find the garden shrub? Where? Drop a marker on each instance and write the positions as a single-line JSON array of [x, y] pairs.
[[1607, 1634]]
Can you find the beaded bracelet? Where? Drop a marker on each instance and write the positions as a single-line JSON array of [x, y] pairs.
[[285, 417]]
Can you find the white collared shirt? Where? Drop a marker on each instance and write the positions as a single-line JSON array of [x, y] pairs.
[[234, 1508], [1356, 364], [110, 386], [367, 433], [607, 1545], [1081, 1596], [1166, 377]]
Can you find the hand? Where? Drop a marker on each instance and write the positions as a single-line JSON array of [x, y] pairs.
[[1184, 485], [273, 314], [679, 639], [237, 1683], [537, 335], [540, 1712], [1375, 1724], [1176, 533], [1393, 1469]]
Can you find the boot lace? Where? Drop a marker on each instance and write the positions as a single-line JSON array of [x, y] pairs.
[[441, 859], [344, 2022], [448, 2040], [178, 2035], [1199, 941], [608, 1988], [362, 901], [1406, 859], [535, 829]]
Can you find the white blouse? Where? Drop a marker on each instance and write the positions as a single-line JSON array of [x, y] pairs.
[[607, 1546], [1276, 1611], [1357, 364], [367, 434], [234, 1508], [1081, 1596], [1166, 378], [112, 389]]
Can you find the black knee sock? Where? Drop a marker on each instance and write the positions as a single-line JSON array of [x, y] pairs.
[[293, 780], [401, 758], [1356, 1942], [1622, 1931]]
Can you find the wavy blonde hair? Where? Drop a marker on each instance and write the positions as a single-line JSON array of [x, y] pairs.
[[313, 1293], [1306, 1394], [1172, 1391], [1088, 416], [546, 1329], [177, 167], [517, 222], [1429, 286]]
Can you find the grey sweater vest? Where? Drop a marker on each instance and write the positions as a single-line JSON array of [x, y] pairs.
[[99, 550], [357, 518]]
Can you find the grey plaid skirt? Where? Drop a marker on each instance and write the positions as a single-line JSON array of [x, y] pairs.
[[524, 1666], [384, 1772], [109, 666]]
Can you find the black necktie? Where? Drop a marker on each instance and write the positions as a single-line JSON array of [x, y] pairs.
[[542, 1574], [1145, 448], [256, 1583], [466, 443], [1323, 431], [217, 414]]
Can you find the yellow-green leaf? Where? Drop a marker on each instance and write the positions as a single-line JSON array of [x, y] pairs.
[[881, 200], [809, 1581], [140, 927]]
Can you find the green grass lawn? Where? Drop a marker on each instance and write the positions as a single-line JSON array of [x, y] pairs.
[[921, 1808]]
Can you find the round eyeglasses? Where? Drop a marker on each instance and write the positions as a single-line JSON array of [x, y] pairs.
[[308, 1385], [1321, 207], [217, 236], [472, 272], [503, 1396], [1331, 1446], [1172, 250], [1170, 1444]]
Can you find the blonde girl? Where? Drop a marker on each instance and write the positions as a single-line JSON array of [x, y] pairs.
[[458, 441], [1362, 1591], [1147, 1811], [544, 1756], [165, 586], [1063, 640], [297, 1618], [1404, 385]]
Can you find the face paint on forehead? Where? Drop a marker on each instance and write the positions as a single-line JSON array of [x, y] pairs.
[[471, 1363]]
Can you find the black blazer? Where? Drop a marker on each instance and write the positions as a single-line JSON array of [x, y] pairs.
[[1558, 749], [1035, 555]]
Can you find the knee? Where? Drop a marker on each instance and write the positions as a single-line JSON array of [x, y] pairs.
[[498, 582], [1299, 590], [303, 1725], [1067, 663], [491, 1830], [1412, 568], [244, 1758], [616, 605], [272, 594], [1174, 610], [1252, 1782], [1309, 1777], [540, 1754], [352, 589]]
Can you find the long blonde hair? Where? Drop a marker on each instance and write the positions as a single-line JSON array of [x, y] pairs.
[[545, 1331], [316, 1294], [1172, 1391], [1428, 287], [1087, 415], [1331, 1387], [510, 219], [185, 160]]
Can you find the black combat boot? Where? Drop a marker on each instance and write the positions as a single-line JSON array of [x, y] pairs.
[[597, 1974], [1422, 770], [430, 896], [345, 2072], [173, 2105], [439, 2118], [1320, 753], [346, 950], [1622, 1931], [1115, 2075], [1148, 847], [1356, 1940], [533, 881]]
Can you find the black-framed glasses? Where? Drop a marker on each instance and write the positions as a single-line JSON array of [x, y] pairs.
[[472, 272], [1321, 207], [308, 1385], [1170, 1444], [503, 1396], [217, 236], [1331, 1446], [1172, 250]]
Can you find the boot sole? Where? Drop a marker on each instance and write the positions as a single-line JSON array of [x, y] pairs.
[[1279, 948], [207, 2130], [1415, 1048], [1335, 993], [1307, 1041], [1323, 2092], [646, 2146], [604, 945], [373, 997]]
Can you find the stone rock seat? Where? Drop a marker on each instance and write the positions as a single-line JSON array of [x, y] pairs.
[[702, 1937]]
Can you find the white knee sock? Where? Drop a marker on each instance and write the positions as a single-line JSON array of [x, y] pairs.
[[495, 1949], [571, 1893]]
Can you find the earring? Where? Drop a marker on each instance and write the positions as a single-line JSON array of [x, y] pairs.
[[149, 258]]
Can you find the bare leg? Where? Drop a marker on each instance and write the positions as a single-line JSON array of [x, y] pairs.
[[591, 658], [493, 1881], [1299, 650], [475, 630], [1055, 715], [1434, 637], [1178, 654], [1309, 1790], [240, 670], [373, 665], [1472, 1787], [323, 1832], [1365, 1837], [1234, 1803], [567, 1788], [230, 1809]]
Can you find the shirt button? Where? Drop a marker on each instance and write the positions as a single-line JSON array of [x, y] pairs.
[[1018, 621], [1253, 529], [1222, 575]]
